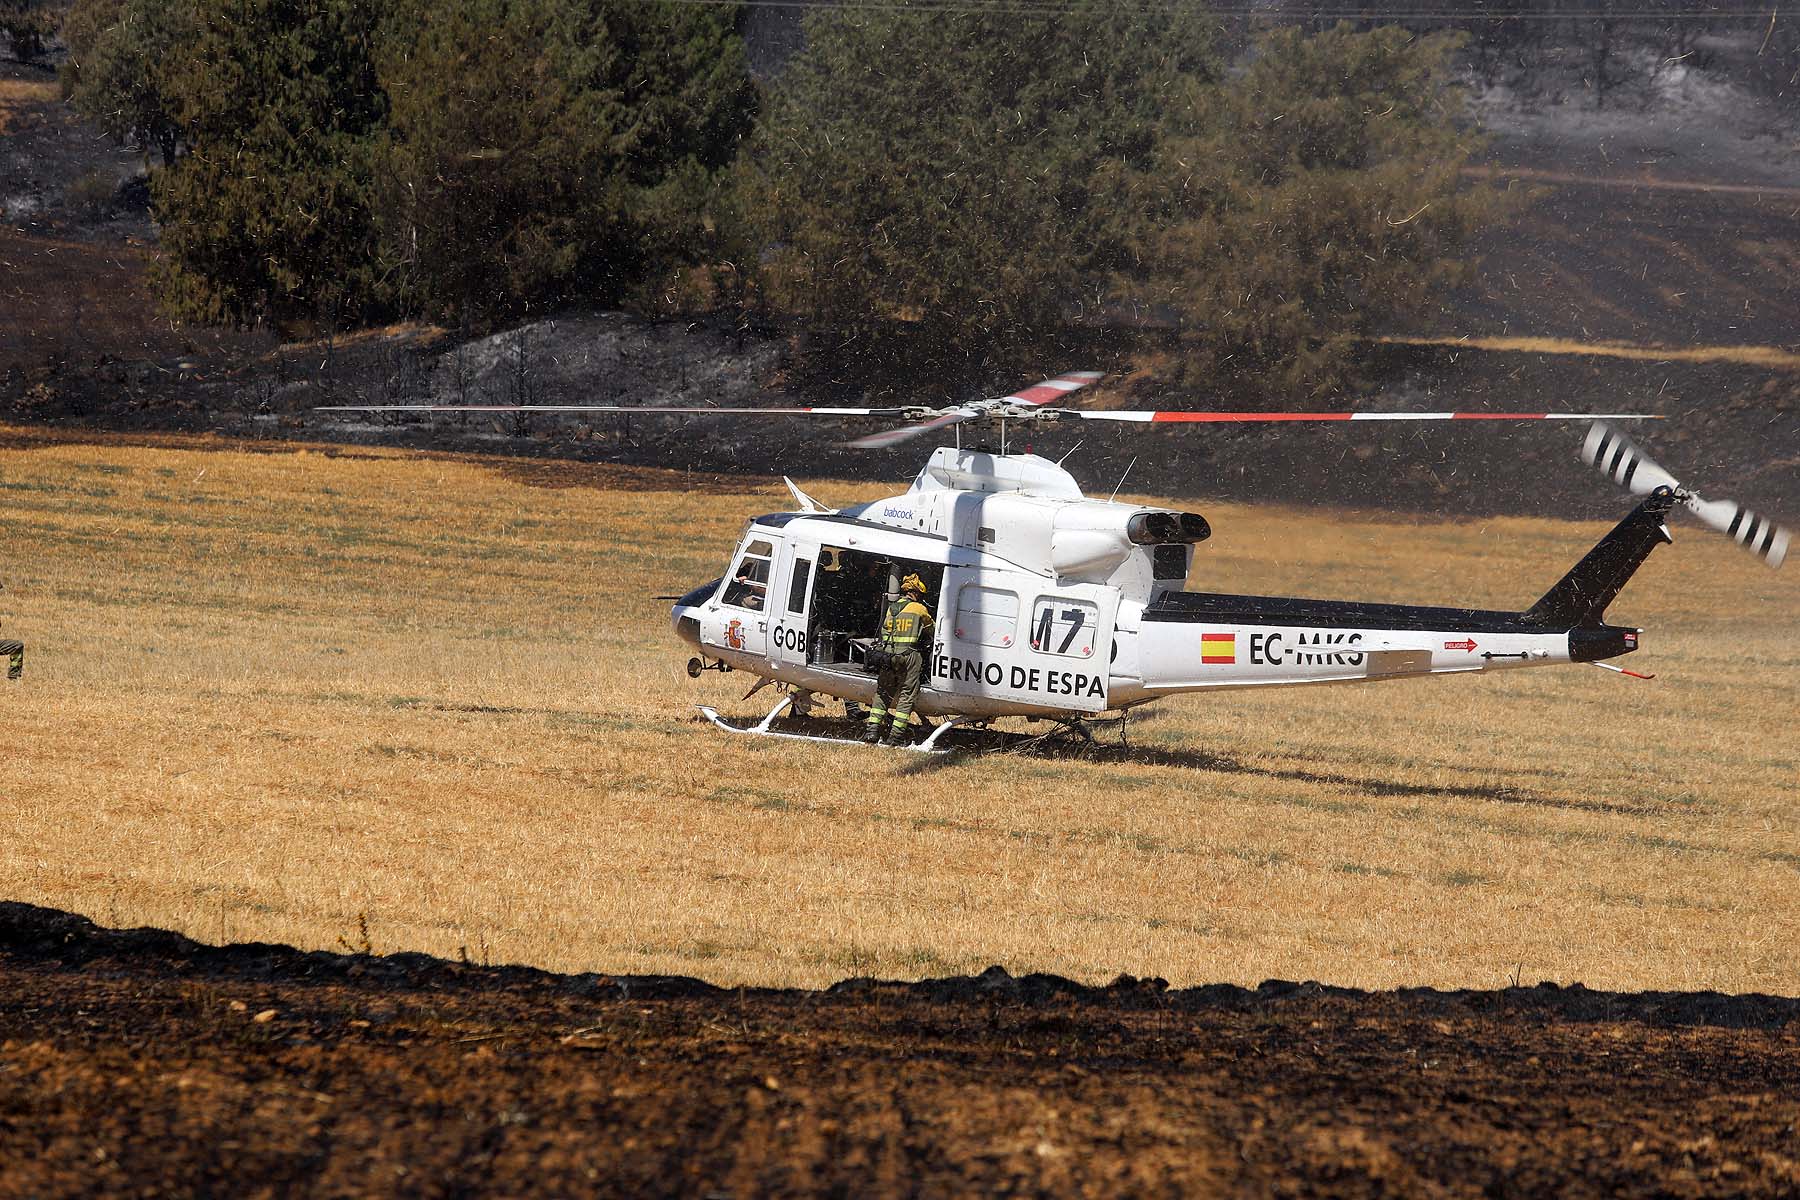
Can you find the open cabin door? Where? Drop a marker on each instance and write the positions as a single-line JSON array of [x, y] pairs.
[[851, 591]]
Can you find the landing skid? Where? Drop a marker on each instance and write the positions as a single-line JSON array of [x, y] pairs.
[[763, 729], [1080, 730]]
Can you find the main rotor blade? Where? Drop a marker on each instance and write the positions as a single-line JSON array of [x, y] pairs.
[[893, 437], [1757, 534], [1051, 390], [1159, 416], [1630, 468], [1046, 391], [695, 410]]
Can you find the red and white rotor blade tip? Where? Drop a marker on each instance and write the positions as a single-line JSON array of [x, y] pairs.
[[1612, 452], [1188, 416], [1049, 391]]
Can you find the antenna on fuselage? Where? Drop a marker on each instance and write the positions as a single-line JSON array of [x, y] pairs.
[[1121, 482], [1072, 450]]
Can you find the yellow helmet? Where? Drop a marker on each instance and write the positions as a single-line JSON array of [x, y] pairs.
[[912, 583]]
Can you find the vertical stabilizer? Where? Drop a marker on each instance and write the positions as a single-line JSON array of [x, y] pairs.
[[1581, 596]]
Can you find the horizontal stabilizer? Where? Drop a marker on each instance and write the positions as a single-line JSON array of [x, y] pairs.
[[1398, 660]]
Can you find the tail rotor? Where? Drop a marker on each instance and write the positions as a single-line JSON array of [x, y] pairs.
[[1612, 452], [1630, 468]]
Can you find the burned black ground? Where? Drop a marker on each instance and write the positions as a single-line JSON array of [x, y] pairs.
[[134, 1059]]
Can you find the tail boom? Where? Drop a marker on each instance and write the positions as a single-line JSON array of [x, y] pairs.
[[1194, 641]]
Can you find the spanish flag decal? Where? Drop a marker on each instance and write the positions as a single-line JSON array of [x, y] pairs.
[[1218, 647]]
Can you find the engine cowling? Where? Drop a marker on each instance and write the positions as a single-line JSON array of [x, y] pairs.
[[1090, 541], [1087, 553]]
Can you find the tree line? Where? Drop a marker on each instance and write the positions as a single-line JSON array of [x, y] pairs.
[[1613, 51], [959, 186], [27, 27]]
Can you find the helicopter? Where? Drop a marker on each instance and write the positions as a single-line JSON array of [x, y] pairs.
[[1053, 605]]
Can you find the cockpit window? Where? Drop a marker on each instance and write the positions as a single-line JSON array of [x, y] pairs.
[[749, 586]]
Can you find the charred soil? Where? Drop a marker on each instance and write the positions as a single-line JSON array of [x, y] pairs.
[[137, 1055]]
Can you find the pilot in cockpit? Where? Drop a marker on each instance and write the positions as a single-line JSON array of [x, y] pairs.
[[747, 590]]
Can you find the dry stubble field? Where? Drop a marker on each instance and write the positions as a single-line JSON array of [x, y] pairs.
[[289, 696]]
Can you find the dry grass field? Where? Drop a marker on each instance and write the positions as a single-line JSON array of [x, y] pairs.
[[18, 96], [373, 698], [1774, 357]]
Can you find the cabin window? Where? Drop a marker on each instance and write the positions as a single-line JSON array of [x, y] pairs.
[[797, 586], [749, 586], [986, 616], [1063, 626]]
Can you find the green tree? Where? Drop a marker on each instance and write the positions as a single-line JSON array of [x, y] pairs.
[[28, 25], [989, 182], [543, 151], [268, 214], [968, 173], [1307, 204], [121, 54]]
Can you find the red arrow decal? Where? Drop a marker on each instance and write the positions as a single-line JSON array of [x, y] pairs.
[[1467, 644]]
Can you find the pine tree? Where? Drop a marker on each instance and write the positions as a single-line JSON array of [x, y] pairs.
[[981, 183], [28, 26], [1304, 206], [546, 151], [965, 173], [267, 216], [121, 53]]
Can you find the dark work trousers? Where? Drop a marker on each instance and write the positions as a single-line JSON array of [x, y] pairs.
[[17, 650], [896, 687]]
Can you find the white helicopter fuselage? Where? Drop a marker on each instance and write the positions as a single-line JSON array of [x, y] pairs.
[[1050, 604]]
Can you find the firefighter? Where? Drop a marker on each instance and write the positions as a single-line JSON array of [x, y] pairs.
[[905, 632], [16, 650]]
